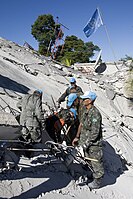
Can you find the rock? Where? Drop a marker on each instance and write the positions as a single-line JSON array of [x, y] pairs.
[[58, 66], [119, 85], [110, 93]]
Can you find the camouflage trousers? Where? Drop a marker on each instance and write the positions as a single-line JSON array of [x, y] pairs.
[[95, 152], [32, 134]]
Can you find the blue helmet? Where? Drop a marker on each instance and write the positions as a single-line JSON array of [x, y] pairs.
[[72, 80], [38, 91], [89, 95], [74, 112], [71, 98]]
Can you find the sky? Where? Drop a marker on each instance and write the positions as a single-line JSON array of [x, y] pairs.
[[17, 16]]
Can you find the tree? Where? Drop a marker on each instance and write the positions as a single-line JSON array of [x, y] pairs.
[[75, 50], [46, 31], [128, 58]]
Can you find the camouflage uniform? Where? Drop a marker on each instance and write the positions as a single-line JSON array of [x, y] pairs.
[[65, 115], [31, 117], [70, 122], [70, 89], [91, 139], [80, 109]]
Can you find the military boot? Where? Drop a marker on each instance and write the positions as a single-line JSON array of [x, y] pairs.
[[95, 184]]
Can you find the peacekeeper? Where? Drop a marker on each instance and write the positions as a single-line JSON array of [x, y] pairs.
[[72, 105], [32, 117], [89, 136], [73, 88]]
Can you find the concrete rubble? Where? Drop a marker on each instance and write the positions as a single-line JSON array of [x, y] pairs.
[[24, 70]]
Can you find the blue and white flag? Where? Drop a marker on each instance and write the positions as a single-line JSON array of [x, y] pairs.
[[93, 24]]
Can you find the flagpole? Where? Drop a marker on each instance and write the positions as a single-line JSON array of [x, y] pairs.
[[110, 45], [109, 40]]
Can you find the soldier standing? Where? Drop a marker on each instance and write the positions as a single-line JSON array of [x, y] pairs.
[[73, 88], [89, 136]]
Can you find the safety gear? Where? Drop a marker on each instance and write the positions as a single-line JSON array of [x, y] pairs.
[[71, 98], [89, 95], [38, 91], [95, 184], [72, 80], [74, 112]]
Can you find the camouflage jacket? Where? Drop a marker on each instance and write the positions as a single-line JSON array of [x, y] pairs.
[[91, 133], [31, 110], [80, 109], [77, 90], [66, 116]]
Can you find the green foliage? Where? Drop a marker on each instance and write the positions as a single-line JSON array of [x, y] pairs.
[[45, 31], [129, 84], [131, 66], [66, 62], [129, 80], [129, 87], [128, 58], [76, 50]]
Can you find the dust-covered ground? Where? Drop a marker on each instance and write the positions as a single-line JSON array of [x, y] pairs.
[[44, 176]]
